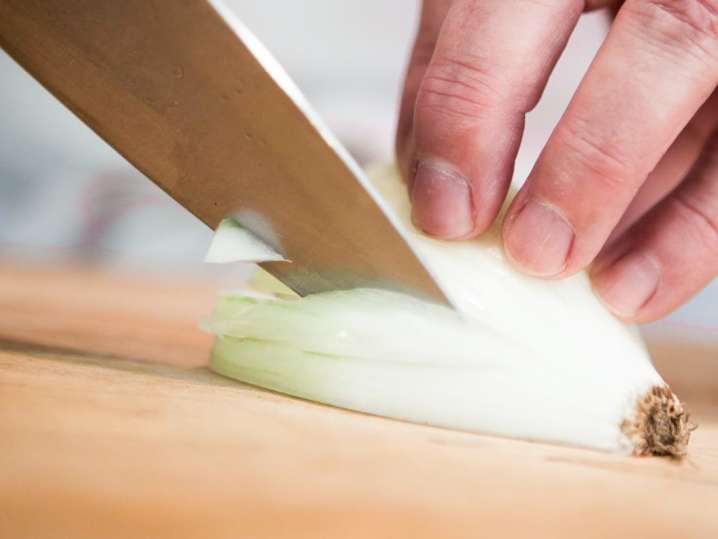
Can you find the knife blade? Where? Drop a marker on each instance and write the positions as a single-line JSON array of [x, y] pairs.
[[189, 96]]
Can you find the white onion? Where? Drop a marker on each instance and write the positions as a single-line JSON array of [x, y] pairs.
[[522, 357]]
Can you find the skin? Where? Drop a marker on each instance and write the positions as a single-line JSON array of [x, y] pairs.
[[628, 181]]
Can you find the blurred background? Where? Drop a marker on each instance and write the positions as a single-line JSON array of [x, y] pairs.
[[65, 196]]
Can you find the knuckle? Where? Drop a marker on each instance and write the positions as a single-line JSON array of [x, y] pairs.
[[701, 222], [692, 23], [457, 88], [605, 161]]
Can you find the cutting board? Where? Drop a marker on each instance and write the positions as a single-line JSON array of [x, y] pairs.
[[111, 426]]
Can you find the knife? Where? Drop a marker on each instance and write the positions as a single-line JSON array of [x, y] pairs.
[[190, 97]]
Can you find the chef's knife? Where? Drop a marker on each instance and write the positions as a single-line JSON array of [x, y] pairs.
[[185, 93]]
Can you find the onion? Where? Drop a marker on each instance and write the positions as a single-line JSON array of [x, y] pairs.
[[520, 357], [233, 243]]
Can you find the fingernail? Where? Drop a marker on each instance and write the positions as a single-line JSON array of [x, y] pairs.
[[441, 201], [628, 284], [538, 239]]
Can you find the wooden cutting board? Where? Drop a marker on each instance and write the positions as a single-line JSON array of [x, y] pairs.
[[110, 426]]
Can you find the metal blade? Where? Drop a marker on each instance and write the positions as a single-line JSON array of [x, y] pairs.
[[193, 101]]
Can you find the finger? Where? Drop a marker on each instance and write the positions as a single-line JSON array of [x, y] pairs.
[[658, 64], [489, 66], [673, 166], [668, 255], [432, 16]]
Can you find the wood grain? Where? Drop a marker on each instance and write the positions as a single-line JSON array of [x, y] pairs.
[[110, 427], [79, 308]]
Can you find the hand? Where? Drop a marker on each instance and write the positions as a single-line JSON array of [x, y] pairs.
[[629, 177]]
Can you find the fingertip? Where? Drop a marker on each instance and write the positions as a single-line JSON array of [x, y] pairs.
[[442, 202], [628, 284], [537, 238]]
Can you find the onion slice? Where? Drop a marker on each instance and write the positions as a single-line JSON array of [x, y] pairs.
[[234, 243]]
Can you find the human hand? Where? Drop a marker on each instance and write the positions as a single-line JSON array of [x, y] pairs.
[[628, 180]]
